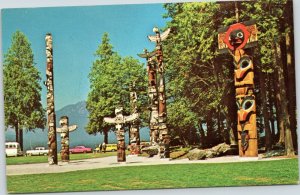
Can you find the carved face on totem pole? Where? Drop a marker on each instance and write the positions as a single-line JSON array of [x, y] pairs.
[[246, 120], [64, 123], [243, 73], [237, 36]]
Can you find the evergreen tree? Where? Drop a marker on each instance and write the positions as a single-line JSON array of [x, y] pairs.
[[22, 99], [110, 78]]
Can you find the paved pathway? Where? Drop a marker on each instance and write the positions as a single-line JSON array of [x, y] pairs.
[[111, 161]]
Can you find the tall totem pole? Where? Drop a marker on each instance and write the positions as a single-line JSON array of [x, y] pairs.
[[51, 123], [119, 121], [64, 131], [235, 39], [164, 137], [134, 135], [152, 93]]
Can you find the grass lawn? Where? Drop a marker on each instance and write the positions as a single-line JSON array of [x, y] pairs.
[[44, 159], [160, 176]]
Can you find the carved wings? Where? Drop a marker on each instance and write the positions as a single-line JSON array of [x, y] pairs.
[[163, 36], [131, 117], [72, 127], [109, 120], [147, 54], [63, 129]]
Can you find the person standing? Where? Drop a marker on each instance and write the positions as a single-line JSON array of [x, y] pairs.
[[104, 147]]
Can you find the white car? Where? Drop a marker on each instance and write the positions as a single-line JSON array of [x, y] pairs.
[[37, 151]]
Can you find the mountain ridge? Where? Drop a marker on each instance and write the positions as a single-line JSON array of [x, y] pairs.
[[78, 115]]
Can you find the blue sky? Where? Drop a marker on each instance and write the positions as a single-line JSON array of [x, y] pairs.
[[77, 32]]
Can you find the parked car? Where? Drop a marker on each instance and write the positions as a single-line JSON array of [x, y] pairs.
[[111, 147], [37, 151], [13, 149], [80, 149]]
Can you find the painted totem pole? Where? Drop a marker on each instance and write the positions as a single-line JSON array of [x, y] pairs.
[[64, 134], [235, 39], [134, 135], [52, 142], [164, 137], [153, 95], [119, 122]]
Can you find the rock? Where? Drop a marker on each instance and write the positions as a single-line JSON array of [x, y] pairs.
[[221, 149], [211, 154], [274, 153], [151, 150], [196, 154]]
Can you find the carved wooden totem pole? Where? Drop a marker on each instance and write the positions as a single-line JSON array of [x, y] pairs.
[[134, 135], [64, 134], [164, 137], [52, 142], [119, 122], [153, 95], [235, 39]]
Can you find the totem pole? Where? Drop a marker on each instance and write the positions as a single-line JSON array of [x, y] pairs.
[[152, 93], [164, 137], [134, 134], [64, 134], [52, 143], [119, 122], [235, 39]]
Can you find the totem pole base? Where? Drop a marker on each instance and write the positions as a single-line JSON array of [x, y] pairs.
[[121, 152], [251, 151], [134, 149]]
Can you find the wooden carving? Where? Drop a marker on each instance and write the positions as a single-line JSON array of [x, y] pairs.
[[52, 143], [119, 122], [65, 140], [235, 39]]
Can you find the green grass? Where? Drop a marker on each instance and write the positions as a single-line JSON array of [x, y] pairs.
[[160, 176], [44, 159]]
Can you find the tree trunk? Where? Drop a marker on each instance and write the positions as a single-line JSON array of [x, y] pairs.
[[220, 130], [210, 130], [289, 148], [105, 136], [271, 107], [263, 96], [288, 27], [17, 131], [291, 88], [202, 136], [21, 139], [280, 125]]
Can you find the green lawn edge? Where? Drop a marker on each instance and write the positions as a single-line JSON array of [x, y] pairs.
[[197, 175]]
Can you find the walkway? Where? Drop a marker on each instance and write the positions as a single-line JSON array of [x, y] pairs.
[[111, 161]]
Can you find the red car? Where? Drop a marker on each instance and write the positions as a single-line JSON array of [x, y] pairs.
[[80, 149]]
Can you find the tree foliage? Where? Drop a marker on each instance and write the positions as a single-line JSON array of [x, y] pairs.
[[110, 77], [200, 80], [22, 98]]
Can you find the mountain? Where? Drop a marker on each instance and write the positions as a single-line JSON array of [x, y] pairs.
[[78, 115]]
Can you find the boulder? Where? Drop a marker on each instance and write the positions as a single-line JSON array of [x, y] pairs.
[[211, 153], [221, 148], [196, 154], [151, 150]]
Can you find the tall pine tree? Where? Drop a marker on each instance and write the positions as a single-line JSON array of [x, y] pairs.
[[110, 78], [22, 98]]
